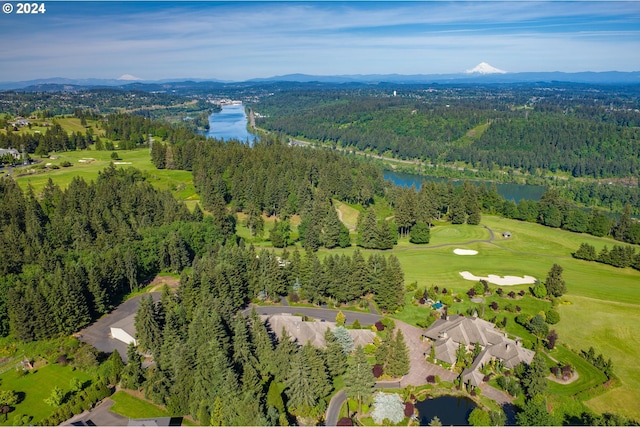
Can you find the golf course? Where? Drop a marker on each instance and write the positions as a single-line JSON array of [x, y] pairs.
[[599, 309]]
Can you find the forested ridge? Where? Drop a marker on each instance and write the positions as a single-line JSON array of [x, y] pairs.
[[570, 129]]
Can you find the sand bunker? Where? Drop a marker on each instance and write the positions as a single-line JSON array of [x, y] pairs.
[[499, 280], [465, 252]]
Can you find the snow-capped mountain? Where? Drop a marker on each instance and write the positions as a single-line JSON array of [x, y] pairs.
[[484, 68]]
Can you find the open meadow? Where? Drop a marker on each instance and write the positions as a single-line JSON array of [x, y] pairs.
[[88, 163]]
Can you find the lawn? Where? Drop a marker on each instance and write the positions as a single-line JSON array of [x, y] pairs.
[[36, 386], [588, 375], [179, 182], [131, 407]]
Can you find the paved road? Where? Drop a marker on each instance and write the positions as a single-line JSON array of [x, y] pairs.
[[98, 333]]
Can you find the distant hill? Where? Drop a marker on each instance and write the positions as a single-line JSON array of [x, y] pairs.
[[64, 84]]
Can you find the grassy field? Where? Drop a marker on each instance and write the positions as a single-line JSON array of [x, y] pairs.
[[179, 182], [132, 407], [599, 308], [36, 386]]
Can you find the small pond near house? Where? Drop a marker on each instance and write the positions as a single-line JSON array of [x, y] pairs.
[[451, 410]]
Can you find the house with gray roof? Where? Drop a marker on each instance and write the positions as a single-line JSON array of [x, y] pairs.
[[447, 335], [11, 151], [312, 331]]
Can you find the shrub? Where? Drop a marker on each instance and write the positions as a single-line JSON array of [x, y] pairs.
[[66, 164], [522, 293], [345, 421], [62, 360], [379, 326], [500, 291], [356, 324], [431, 379], [493, 305], [409, 409], [294, 297], [552, 317], [387, 407], [512, 295], [377, 371]]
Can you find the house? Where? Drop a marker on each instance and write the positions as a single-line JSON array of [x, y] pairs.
[[125, 330], [447, 335], [10, 151], [312, 332], [506, 234]]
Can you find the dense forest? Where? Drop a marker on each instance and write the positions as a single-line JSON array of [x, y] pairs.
[[566, 129], [69, 256]]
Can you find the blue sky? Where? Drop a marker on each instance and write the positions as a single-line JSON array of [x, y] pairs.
[[243, 40]]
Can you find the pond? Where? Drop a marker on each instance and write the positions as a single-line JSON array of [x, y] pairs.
[[451, 410]]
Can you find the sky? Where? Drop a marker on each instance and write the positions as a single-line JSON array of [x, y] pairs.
[[241, 40]]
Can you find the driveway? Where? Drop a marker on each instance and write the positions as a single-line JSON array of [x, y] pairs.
[[98, 334], [99, 416], [418, 350]]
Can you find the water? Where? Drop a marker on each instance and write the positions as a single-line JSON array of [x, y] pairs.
[[509, 191], [452, 410], [230, 123]]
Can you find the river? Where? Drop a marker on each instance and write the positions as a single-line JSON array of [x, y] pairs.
[[230, 123], [509, 191]]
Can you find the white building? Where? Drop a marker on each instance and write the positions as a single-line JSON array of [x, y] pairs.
[[125, 330]]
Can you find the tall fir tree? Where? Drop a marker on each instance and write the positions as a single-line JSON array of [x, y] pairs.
[[359, 379]]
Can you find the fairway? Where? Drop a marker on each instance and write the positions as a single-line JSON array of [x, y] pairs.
[[179, 182], [599, 309]]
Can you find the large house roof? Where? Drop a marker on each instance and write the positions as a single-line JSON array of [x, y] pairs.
[[449, 333], [313, 332]]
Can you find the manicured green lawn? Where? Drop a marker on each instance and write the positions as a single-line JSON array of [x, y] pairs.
[[132, 407], [588, 375], [179, 182], [611, 328], [37, 386]]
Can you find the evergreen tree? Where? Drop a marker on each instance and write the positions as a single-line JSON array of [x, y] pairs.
[[359, 379], [555, 283], [534, 381], [148, 332], [343, 338], [367, 229], [117, 366], [420, 233], [624, 224], [398, 358], [299, 390], [331, 228], [336, 358]]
